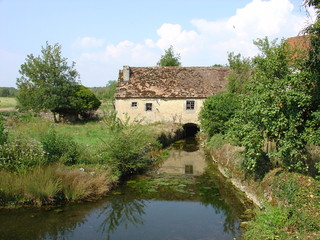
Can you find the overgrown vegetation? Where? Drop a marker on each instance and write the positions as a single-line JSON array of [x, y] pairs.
[[277, 126], [293, 208], [130, 146], [55, 163]]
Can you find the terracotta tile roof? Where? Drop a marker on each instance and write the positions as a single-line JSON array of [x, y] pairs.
[[171, 82], [300, 45]]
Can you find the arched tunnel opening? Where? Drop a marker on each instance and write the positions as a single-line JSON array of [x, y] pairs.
[[190, 129]]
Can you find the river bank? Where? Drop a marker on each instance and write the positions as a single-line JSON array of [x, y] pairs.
[[288, 204]]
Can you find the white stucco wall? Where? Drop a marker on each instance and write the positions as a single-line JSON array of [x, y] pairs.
[[164, 110]]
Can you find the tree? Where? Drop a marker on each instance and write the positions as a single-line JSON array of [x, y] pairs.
[[84, 102], [240, 75], [47, 82], [169, 59], [276, 109], [217, 110], [110, 91]]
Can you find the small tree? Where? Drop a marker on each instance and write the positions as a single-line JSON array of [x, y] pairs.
[[169, 59], [47, 82]]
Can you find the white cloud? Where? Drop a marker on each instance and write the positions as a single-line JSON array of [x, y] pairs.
[[88, 42], [208, 43]]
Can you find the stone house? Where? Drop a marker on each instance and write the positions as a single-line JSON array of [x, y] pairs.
[[166, 94]]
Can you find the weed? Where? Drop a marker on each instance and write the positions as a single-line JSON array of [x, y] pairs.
[[272, 223], [217, 141], [82, 183], [60, 148], [129, 147], [54, 185], [21, 154]]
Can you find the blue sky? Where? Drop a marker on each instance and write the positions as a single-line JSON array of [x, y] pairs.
[[102, 36]]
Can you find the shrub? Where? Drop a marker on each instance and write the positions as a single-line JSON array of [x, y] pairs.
[[272, 223], [21, 154], [129, 146], [217, 141], [216, 111], [60, 148]]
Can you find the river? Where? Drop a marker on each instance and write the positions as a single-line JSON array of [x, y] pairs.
[[183, 198]]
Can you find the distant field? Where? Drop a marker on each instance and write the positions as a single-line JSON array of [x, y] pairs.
[[7, 102]]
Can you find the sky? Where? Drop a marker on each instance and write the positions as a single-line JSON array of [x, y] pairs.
[[101, 36]]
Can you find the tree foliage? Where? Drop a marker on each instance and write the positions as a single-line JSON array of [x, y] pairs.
[[110, 91], [169, 59], [84, 101], [277, 108], [7, 92], [217, 111], [128, 149], [47, 82], [240, 75]]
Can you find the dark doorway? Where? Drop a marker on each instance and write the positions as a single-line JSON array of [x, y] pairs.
[[190, 129]]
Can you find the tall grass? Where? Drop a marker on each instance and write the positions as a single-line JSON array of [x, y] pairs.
[[85, 183], [293, 211], [53, 184]]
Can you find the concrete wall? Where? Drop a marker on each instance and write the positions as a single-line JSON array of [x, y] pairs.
[[164, 110]]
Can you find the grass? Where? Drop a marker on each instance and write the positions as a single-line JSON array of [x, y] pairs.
[[290, 201], [54, 184], [91, 133], [293, 209], [8, 102]]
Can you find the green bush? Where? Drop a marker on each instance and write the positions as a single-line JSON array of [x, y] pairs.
[[21, 154], [217, 110], [271, 223], [60, 148], [129, 146], [217, 141], [84, 101]]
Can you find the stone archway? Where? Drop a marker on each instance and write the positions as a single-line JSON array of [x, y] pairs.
[[191, 129]]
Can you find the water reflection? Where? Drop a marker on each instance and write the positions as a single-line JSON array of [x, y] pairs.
[[186, 157], [121, 212]]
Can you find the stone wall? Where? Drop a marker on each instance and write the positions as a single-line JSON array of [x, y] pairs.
[[163, 110], [228, 160]]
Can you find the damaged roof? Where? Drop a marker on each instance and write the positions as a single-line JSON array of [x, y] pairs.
[[171, 82], [300, 45]]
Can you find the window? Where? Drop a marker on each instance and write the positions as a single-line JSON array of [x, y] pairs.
[[190, 105], [148, 106], [188, 169], [134, 104]]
